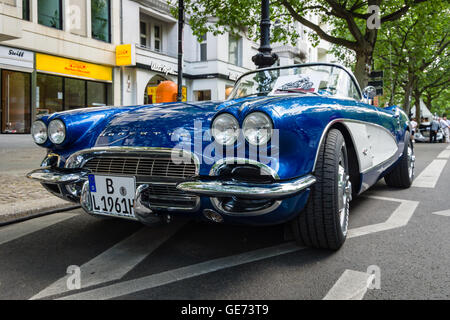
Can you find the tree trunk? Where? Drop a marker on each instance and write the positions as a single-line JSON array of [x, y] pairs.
[[407, 99], [363, 62], [417, 104]]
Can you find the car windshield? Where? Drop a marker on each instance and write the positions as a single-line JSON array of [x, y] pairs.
[[319, 79]]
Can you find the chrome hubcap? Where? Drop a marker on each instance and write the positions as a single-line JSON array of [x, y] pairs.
[[344, 197], [411, 162]]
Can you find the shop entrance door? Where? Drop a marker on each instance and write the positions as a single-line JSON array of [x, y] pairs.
[[16, 102]]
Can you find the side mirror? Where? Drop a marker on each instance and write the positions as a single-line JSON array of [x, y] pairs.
[[369, 92]]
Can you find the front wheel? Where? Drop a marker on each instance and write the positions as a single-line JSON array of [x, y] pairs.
[[323, 223]]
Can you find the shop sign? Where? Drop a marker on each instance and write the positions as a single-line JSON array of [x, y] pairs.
[[16, 57], [79, 69], [159, 67], [126, 55]]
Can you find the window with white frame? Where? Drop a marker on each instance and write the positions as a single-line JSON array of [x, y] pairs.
[[234, 50], [143, 34], [203, 49], [157, 36]]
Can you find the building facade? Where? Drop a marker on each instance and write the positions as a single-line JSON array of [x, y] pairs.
[[55, 55], [60, 55]]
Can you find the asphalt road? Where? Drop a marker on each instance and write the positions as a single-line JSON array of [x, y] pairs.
[[399, 243]]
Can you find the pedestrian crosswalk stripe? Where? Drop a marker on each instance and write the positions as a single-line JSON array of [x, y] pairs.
[[444, 154], [166, 277], [351, 285], [117, 261], [430, 175]]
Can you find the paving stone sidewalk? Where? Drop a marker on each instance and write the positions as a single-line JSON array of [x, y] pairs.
[[19, 196]]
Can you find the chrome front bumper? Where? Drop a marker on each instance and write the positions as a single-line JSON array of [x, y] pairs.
[[273, 191], [63, 177], [54, 175]]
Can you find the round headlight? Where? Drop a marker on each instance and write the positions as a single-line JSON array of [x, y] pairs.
[[225, 129], [257, 128], [39, 132], [57, 131]]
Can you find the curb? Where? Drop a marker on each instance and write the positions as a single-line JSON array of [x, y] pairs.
[[37, 215], [22, 210]]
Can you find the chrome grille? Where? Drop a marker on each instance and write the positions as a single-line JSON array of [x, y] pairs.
[[152, 166], [168, 196]]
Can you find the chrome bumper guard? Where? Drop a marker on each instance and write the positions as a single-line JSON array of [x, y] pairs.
[[54, 175], [273, 191]]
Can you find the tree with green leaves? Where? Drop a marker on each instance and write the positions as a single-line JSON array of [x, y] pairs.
[[414, 52], [233, 16]]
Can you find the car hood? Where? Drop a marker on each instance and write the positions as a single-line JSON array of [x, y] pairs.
[[164, 125], [157, 125]]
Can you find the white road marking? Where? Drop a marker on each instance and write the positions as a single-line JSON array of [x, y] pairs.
[[351, 285], [444, 154], [21, 229], [445, 213], [166, 277], [117, 261], [430, 175], [399, 218]]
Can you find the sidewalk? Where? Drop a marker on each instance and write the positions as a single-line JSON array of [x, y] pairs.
[[19, 196]]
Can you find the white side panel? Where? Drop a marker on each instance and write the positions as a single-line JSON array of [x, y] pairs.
[[383, 144], [363, 148], [374, 144]]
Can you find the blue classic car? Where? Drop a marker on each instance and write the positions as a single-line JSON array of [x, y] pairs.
[[290, 145]]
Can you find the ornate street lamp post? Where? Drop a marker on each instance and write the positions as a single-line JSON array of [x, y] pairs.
[[265, 57], [180, 49]]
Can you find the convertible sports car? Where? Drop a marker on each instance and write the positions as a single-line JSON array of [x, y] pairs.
[[291, 145]]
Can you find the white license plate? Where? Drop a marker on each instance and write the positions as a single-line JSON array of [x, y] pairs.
[[112, 195]]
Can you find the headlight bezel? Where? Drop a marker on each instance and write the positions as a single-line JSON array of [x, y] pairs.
[[214, 129], [245, 128], [50, 135], [33, 133]]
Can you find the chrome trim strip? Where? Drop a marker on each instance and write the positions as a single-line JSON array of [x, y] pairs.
[[273, 191]]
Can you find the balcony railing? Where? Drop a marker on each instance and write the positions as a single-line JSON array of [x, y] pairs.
[[155, 4], [163, 52]]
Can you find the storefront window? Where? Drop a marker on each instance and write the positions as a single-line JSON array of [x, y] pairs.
[[96, 94], [100, 12], [49, 94], [50, 13], [16, 102], [202, 95], [75, 93], [56, 94]]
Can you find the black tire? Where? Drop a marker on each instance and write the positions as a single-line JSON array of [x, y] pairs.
[[401, 176], [319, 224]]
